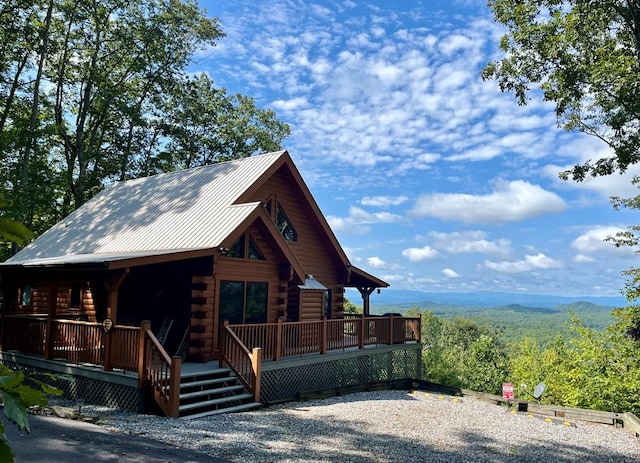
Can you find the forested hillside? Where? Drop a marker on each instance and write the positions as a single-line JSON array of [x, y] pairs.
[[515, 322]]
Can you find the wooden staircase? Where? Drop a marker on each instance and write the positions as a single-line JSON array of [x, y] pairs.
[[212, 391]]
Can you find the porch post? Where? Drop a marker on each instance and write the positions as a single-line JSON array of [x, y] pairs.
[[365, 293], [112, 313], [142, 353], [279, 343], [323, 336], [363, 326], [49, 339], [256, 367]]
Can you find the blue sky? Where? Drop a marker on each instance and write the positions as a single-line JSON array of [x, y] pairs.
[[430, 178]]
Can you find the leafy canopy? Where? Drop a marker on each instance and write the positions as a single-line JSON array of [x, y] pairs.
[[584, 56]]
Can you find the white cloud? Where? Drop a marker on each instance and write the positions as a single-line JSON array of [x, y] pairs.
[[593, 241], [376, 262], [360, 216], [420, 254], [510, 202], [383, 201], [290, 105], [537, 262], [582, 259], [339, 224], [449, 273], [471, 242], [358, 221]]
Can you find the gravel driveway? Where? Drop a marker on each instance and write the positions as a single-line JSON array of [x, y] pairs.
[[386, 426]]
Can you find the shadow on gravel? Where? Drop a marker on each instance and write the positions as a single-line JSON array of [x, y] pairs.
[[247, 439], [56, 440]]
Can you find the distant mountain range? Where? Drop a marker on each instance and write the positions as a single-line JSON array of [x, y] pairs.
[[478, 299]]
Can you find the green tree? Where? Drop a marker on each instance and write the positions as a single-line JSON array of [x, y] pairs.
[[97, 91], [459, 352], [584, 56], [350, 307]]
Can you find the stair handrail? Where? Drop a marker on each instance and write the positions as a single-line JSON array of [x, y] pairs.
[[159, 371], [245, 363]]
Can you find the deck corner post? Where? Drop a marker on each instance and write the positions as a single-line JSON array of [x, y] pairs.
[[142, 353], [279, 343], [224, 352], [419, 331], [174, 400], [391, 339], [323, 336], [256, 366], [361, 331]]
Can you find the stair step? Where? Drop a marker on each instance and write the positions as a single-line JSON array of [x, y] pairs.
[[207, 382], [188, 377], [237, 408], [206, 392], [209, 403]]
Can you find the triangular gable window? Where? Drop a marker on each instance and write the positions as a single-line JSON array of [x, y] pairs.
[[254, 252], [284, 225], [238, 250]]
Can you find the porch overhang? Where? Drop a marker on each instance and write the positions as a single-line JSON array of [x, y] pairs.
[[106, 261], [365, 284], [360, 278]]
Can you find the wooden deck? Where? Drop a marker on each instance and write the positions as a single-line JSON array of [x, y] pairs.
[[243, 348]]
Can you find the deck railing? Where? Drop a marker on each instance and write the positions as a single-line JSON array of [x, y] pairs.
[[71, 340], [77, 342], [291, 339], [160, 372], [24, 334], [244, 362], [125, 341]]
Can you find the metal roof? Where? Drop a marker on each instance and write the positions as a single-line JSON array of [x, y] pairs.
[[311, 283], [184, 210]]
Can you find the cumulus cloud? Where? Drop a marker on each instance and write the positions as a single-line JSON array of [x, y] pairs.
[[376, 262], [373, 94], [383, 201], [472, 241], [593, 242], [420, 254], [537, 262], [509, 202], [582, 259], [449, 273], [359, 221]]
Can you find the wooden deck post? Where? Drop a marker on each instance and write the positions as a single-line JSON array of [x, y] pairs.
[[419, 333], [323, 336], [142, 353], [361, 331], [223, 343], [51, 316], [174, 381], [256, 367], [279, 343], [391, 340]]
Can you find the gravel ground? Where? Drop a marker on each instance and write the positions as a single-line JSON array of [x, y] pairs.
[[385, 426]]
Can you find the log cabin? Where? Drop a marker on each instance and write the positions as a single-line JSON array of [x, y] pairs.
[[210, 289]]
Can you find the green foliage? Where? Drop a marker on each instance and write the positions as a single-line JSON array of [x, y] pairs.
[[583, 56], [586, 368], [460, 352], [351, 308], [98, 91], [19, 393]]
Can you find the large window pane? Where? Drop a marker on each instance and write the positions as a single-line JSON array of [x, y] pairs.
[[231, 301], [256, 308]]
